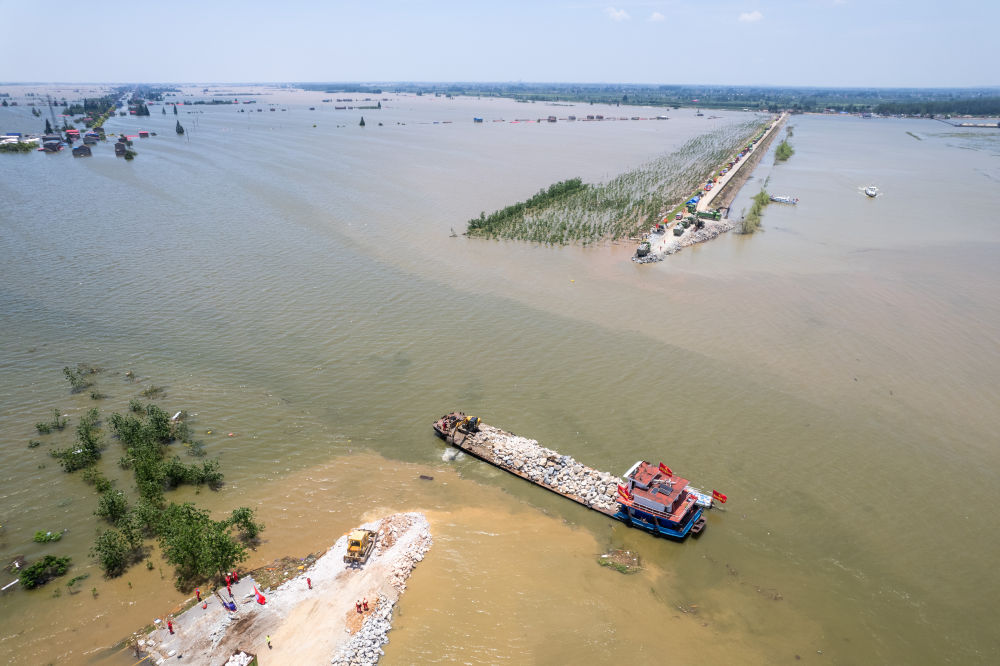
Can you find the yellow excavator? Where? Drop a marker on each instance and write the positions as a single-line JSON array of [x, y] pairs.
[[455, 427], [360, 544]]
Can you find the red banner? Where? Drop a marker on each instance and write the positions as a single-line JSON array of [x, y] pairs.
[[666, 470], [719, 496]]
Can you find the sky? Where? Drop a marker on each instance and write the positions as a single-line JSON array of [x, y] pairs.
[[864, 43]]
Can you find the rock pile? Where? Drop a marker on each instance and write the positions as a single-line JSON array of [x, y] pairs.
[[414, 528], [411, 532], [240, 659], [712, 229], [365, 647], [542, 465]]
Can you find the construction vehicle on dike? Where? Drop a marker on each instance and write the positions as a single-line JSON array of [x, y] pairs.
[[360, 544]]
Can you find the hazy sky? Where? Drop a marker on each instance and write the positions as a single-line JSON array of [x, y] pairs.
[[778, 42]]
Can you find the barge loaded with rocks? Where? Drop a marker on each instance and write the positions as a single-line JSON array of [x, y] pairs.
[[649, 497]]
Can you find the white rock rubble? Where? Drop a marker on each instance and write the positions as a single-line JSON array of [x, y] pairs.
[[597, 489]]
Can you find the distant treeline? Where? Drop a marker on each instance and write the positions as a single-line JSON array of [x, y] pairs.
[[90, 105], [985, 106], [756, 98], [150, 93], [341, 87]]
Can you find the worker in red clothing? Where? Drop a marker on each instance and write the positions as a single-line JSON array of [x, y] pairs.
[[228, 579], [170, 626], [309, 582], [357, 605], [197, 593], [364, 603], [236, 576]]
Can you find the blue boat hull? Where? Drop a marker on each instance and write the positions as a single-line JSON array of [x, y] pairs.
[[650, 523]]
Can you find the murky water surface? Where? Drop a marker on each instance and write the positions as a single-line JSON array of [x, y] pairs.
[[289, 278]]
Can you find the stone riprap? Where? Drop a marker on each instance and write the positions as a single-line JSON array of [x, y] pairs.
[[663, 245], [365, 647], [547, 467]]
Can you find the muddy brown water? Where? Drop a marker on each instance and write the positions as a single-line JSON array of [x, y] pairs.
[[296, 286]]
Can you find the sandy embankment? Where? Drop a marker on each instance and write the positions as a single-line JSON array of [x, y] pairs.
[[306, 626]]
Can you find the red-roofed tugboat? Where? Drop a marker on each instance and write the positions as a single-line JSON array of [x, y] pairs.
[[656, 500]]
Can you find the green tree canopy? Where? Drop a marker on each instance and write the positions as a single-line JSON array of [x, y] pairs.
[[196, 545]]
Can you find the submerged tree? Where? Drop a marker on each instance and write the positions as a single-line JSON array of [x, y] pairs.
[[43, 571], [196, 545], [243, 519]]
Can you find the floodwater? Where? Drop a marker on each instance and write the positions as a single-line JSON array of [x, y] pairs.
[[289, 277]]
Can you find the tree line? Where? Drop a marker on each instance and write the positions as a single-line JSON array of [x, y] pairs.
[[983, 106], [485, 224]]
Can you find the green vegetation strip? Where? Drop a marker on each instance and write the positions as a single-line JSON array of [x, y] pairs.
[[573, 212], [18, 147], [751, 221]]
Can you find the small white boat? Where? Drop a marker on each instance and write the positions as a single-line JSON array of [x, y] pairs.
[[784, 199], [871, 191]]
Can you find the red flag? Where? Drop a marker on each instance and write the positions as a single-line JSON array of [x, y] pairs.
[[624, 493], [666, 470], [719, 496], [261, 599]]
